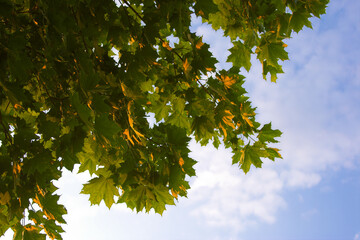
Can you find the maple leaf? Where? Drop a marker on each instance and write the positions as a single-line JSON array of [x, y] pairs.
[[4, 198], [101, 188], [246, 157], [240, 56], [49, 204], [267, 134], [228, 81]]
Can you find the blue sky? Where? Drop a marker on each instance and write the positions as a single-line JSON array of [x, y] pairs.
[[313, 193]]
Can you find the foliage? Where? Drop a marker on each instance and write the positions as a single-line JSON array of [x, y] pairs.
[[80, 78]]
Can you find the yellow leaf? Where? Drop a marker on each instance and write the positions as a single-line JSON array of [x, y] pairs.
[[40, 190], [49, 215], [181, 162], [127, 134], [30, 228], [37, 201], [50, 234], [131, 121], [199, 44], [228, 81], [277, 150], [186, 66], [242, 157], [89, 104], [123, 88], [182, 188], [4, 198], [186, 84], [227, 119], [245, 117], [223, 129], [132, 40], [174, 193], [284, 45], [166, 45], [16, 106], [139, 135], [16, 168]]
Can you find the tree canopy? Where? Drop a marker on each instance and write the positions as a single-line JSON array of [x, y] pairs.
[[120, 87]]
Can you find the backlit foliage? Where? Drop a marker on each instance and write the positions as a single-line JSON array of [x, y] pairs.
[[79, 78]]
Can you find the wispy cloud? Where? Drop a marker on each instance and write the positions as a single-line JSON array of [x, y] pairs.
[[310, 213]]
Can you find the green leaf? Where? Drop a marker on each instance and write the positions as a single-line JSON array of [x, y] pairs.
[[89, 157], [273, 153], [267, 134], [240, 56], [99, 105], [53, 210], [161, 110], [247, 156], [299, 19], [101, 188], [83, 111], [163, 197], [179, 120], [105, 127], [177, 136], [205, 7], [32, 233], [203, 128], [53, 230]]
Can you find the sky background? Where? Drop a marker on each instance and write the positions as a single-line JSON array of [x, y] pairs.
[[312, 193]]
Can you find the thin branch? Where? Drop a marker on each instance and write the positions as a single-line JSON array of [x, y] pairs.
[[205, 89]]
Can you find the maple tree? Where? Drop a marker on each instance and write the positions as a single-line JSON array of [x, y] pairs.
[[79, 79]]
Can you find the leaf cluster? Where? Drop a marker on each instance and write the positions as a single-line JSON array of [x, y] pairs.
[[119, 88]]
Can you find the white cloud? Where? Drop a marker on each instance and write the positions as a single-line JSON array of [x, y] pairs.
[[223, 196], [357, 236], [315, 104], [296, 179]]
